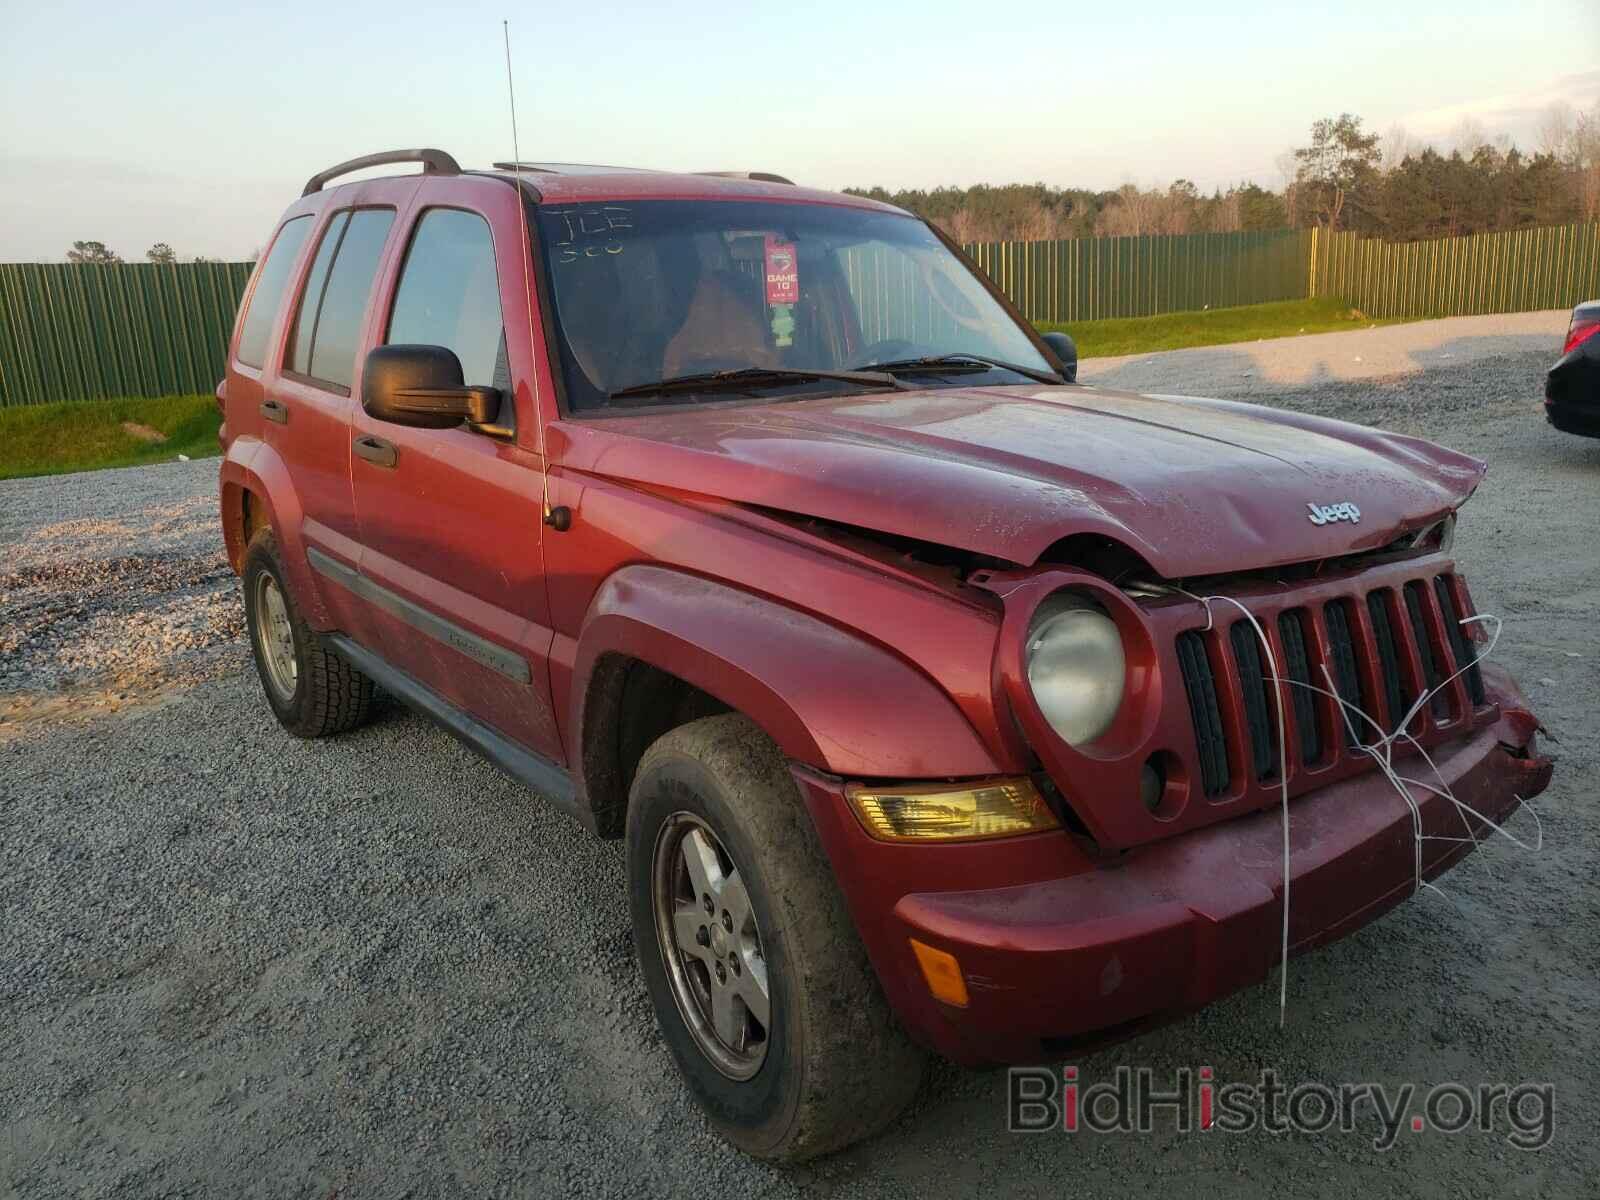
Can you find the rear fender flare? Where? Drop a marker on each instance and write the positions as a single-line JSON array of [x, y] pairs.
[[260, 470]]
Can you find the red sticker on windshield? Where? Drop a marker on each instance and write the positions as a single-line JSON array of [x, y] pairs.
[[783, 272]]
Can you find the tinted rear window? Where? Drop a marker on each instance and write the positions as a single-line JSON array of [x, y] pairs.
[[269, 289], [344, 299]]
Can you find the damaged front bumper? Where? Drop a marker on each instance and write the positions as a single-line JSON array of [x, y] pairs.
[[1091, 951]]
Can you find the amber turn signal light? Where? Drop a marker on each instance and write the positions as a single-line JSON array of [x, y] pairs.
[[943, 973], [945, 812]]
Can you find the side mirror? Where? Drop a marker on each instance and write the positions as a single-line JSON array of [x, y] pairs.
[[421, 386], [1065, 349]]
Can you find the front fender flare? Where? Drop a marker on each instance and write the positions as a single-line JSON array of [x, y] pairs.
[[826, 696]]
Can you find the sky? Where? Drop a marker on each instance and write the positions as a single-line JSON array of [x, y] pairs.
[[195, 123]]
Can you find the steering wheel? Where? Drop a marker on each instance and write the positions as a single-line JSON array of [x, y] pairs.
[[889, 350]]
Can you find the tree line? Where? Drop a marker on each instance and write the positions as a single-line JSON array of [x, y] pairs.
[[98, 252], [1344, 178]]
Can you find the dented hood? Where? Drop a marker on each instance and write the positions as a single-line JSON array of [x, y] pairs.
[[1195, 487]]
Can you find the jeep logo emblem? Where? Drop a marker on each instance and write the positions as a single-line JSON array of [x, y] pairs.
[[1323, 514]]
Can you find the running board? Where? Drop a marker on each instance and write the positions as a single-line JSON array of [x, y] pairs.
[[527, 768]]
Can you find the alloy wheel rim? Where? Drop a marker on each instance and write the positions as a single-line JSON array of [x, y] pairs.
[[711, 944], [276, 637]]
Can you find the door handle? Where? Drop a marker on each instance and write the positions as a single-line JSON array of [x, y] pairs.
[[275, 410], [376, 451]]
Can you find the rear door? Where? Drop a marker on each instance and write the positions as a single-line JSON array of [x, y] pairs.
[[449, 519], [309, 395], [250, 412]]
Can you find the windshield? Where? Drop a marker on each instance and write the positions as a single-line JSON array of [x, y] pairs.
[[654, 290]]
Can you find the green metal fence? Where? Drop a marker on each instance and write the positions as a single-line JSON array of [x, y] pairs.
[[1088, 279], [85, 332], [1523, 270]]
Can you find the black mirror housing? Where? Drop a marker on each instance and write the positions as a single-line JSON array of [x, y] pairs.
[[421, 386], [1066, 350]]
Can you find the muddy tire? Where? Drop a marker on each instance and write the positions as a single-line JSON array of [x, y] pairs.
[[312, 691], [761, 987]]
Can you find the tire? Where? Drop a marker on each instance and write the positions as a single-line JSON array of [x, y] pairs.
[[313, 692], [832, 1065]]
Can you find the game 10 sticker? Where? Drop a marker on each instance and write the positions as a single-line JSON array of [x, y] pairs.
[[783, 272]]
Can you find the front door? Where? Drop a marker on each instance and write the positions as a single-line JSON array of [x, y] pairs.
[[449, 519]]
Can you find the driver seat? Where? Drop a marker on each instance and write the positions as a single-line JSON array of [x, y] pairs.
[[721, 330]]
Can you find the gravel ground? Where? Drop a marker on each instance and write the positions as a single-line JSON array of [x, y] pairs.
[[232, 963]]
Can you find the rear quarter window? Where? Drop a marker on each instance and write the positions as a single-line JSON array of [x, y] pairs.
[[269, 289]]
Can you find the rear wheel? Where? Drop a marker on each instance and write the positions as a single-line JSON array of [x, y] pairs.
[[313, 692], [761, 987]]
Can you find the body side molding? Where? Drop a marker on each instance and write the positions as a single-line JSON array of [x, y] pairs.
[[523, 765], [497, 658]]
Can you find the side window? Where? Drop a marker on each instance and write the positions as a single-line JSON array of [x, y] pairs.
[[449, 295], [298, 355], [269, 289], [328, 326]]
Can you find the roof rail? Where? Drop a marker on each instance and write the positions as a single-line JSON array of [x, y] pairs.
[[758, 176], [434, 162], [574, 168]]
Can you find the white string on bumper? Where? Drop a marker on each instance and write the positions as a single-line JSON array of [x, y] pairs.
[[1381, 751]]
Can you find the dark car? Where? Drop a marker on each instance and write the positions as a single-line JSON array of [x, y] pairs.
[[933, 692], [1572, 388]]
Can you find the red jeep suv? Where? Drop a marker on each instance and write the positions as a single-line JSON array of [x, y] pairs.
[[944, 704]]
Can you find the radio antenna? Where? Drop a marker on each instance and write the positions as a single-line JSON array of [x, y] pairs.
[[527, 283]]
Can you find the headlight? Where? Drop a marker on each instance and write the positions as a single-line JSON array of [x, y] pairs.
[[1076, 667]]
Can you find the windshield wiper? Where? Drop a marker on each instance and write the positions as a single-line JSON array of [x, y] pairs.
[[744, 378], [953, 363]]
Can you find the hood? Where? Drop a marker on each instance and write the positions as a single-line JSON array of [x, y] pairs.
[[1195, 487]]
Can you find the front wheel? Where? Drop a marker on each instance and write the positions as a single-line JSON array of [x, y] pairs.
[[761, 987]]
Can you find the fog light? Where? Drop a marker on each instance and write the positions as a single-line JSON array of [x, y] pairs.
[[943, 973], [997, 808], [1151, 785]]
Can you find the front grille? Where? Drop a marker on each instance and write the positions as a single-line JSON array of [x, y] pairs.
[[1439, 702], [1201, 687], [1347, 680], [1394, 688], [1356, 649], [1460, 644], [1297, 666], [1260, 715]]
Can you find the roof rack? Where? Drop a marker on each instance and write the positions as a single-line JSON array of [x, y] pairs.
[[573, 168], [758, 176], [434, 162]]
